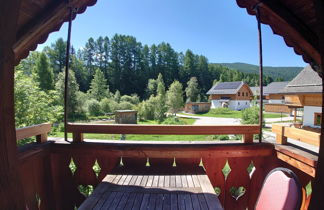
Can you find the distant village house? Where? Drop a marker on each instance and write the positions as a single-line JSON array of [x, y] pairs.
[[305, 91], [275, 99], [234, 95]]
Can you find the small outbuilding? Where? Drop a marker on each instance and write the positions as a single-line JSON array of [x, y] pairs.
[[126, 117], [197, 107]]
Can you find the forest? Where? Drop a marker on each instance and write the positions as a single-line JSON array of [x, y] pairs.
[[114, 73]]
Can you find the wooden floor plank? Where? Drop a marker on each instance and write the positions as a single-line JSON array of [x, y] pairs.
[[178, 181], [155, 181], [159, 201], [152, 201], [122, 180], [167, 202], [195, 180], [167, 181], [149, 181], [173, 181], [174, 201], [116, 201], [123, 201], [190, 181], [181, 201], [202, 201], [109, 200], [184, 181], [127, 180], [209, 192], [161, 181], [144, 181], [145, 201], [195, 201], [130, 201], [133, 180], [137, 201], [188, 202], [138, 180]]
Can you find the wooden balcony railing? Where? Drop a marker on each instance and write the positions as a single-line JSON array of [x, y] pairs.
[[284, 132], [53, 173], [247, 131], [40, 131]]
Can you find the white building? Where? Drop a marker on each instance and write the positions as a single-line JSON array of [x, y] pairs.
[[234, 95]]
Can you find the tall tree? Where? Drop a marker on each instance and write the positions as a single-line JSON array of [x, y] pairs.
[[192, 90], [74, 106], [44, 73], [99, 88], [160, 108], [175, 97], [57, 54]]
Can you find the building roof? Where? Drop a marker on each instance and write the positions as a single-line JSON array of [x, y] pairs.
[[307, 81], [226, 88], [274, 87]]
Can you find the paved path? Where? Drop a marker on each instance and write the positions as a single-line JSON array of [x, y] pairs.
[[201, 120]]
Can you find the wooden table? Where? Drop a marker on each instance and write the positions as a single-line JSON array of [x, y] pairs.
[[153, 192]]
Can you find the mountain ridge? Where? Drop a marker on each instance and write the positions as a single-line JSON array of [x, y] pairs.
[[285, 73]]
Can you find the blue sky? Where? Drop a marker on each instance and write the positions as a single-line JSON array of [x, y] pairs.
[[218, 29]]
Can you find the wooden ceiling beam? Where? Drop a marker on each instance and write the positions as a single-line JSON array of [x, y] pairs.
[[292, 20], [42, 26], [295, 33]]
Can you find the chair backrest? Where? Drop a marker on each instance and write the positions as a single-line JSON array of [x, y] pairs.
[[281, 190]]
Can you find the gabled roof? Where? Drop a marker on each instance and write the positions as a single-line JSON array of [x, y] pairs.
[[274, 87], [307, 81], [226, 88]]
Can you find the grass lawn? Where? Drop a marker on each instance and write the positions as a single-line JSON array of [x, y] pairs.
[[227, 113], [140, 137]]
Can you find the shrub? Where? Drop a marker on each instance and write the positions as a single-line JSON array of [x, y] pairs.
[[146, 109], [105, 105], [125, 105], [94, 108], [251, 116], [133, 99], [173, 121]]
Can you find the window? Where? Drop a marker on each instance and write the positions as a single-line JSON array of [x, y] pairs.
[[247, 94], [243, 94], [317, 118], [238, 103], [238, 93], [245, 103]]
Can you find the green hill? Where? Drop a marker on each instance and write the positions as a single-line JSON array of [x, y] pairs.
[[286, 73]]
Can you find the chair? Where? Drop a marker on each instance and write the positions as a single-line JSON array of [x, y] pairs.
[[281, 190]]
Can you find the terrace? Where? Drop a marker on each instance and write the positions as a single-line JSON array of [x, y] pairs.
[[49, 174]]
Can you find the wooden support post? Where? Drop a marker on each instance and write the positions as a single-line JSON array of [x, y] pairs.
[[248, 138], [317, 201], [280, 135], [77, 137], [41, 138], [10, 184]]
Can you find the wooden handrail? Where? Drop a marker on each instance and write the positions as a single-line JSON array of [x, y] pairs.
[[79, 129], [40, 131], [284, 132]]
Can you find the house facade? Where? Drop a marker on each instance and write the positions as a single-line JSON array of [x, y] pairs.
[[234, 95], [305, 91], [275, 98]]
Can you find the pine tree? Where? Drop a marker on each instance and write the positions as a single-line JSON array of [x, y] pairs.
[[99, 88], [160, 108], [44, 73], [192, 90], [174, 99]]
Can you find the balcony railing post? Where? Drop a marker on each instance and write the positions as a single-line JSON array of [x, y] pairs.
[[248, 138], [41, 138], [77, 137]]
